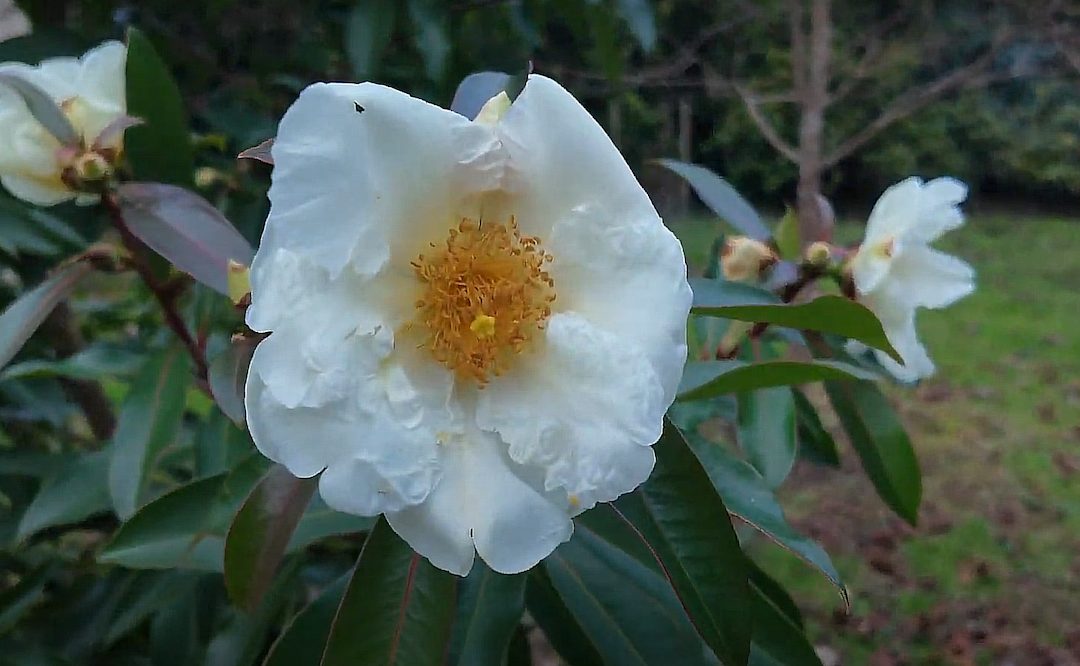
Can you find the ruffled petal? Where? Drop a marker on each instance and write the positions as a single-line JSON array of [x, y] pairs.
[[924, 277], [363, 172], [916, 212], [585, 407], [482, 500]]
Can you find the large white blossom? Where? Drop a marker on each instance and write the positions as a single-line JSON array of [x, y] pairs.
[[476, 326], [896, 271], [89, 90]]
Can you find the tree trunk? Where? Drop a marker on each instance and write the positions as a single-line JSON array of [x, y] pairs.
[[811, 63]]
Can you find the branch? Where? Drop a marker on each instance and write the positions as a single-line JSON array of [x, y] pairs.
[[87, 394], [872, 46], [752, 104], [165, 296]]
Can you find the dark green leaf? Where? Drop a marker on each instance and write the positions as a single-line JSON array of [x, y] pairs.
[[680, 514], [626, 608], [220, 445], [708, 379], [490, 606], [186, 527], [17, 599], [185, 229], [151, 592], [431, 34], [766, 426], [94, 362], [159, 150], [404, 605], [748, 497], [368, 29], [44, 109], [815, 442], [22, 317], [245, 633], [320, 521], [881, 443], [559, 625], [80, 489], [228, 377], [787, 237], [778, 641], [716, 294], [260, 532], [761, 583], [303, 639], [721, 198], [147, 423]]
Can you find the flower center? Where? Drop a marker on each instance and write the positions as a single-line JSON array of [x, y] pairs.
[[486, 294]]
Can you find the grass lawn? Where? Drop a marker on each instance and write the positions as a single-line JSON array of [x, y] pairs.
[[992, 572]]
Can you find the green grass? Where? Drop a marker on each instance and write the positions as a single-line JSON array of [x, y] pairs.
[[992, 573]]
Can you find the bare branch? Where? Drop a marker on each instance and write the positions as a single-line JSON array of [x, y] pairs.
[[763, 125]]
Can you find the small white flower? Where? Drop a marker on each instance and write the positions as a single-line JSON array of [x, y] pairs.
[[896, 270], [476, 326], [90, 91]]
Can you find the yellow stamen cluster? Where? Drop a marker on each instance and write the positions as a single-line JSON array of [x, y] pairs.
[[487, 293]]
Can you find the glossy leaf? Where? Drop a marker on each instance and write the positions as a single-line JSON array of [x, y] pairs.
[[404, 605], [559, 625], [883, 446], [160, 149], [626, 608], [44, 109], [148, 421], [787, 237], [684, 519], [766, 427], [639, 15], [242, 640], [185, 229], [78, 490], [228, 376], [97, 361], [186, 527], [815, 442], [320, 521], [720, 197], [778, 641], [303, 639], [708, 379], [22, 317], [369, 27], [490, 606], [261, 530], [151, 592], [712, 295]]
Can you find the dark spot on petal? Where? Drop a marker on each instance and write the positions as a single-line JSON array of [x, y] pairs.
[[359, 109]]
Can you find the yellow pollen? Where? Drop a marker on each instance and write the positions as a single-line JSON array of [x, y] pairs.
[[885, 248], [483, 326], [483, 274]]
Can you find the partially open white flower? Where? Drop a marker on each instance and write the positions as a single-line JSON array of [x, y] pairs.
[[896, 271], [476, 326], [90, 91]]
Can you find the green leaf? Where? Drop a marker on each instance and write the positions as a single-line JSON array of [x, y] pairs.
[[787, 237], [815, 442], [148, 422], [749, 498], [228, 377], [766, 427], [720, 197], [19, 598], [151, 592], [778, 641], [368, 29], [882, 444], [320, 521], [80, 489], [43, 108], [303, 639], [490, 606], [827, 314], [680, 514], [639, 15], [245, 633], [22, 317], [95, 362], [220, 445], [186, 230], [559, 625], [160, 149], [713, 295], [185, 528], [259, 533], [431, 35], [708, 379], [626, 608], [403, 603]]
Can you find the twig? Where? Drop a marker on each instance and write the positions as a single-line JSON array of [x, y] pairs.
[[164, 293]]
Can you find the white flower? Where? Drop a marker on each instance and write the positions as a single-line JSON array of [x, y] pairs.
[[89, 90], [476, 326], [896, 270]]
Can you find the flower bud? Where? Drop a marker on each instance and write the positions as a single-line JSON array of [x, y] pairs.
[[743, 259], [818, 254], [91, 166], [239, 282]]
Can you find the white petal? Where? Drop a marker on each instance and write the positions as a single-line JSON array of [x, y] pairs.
[[916, 212], [585, 407], [482, 499], [898, 321], [352, 185], [869, 268], [927, 278], [561, 159], [36, 191]]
